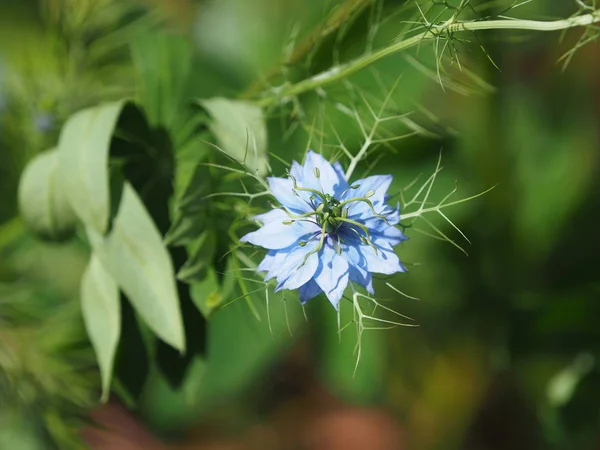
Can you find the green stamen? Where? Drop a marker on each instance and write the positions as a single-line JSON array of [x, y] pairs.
[[368, 202]]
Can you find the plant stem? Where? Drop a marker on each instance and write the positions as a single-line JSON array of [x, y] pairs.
[[344, 70]]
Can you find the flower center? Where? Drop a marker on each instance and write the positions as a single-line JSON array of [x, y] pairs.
[[330, 214]]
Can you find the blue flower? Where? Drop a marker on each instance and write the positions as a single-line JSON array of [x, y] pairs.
[[43, 122], [327, 232]]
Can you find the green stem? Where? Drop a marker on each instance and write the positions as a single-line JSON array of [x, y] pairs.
[[344, 70]]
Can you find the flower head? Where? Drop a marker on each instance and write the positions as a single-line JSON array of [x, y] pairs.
[[327, 232]]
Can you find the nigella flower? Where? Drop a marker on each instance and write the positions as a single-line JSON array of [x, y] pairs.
[[43, 122], [327, 232]]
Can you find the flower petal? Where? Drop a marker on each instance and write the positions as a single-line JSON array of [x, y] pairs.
[[275, 235], [283, 190], [361, 277], [333, 274], [309, 290], [296, 269], [330, 180], [379, 184], [272, 263], [383, 261]]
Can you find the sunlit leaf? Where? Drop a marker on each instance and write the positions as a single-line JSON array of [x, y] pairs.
[[240, 130], [101, 309], [42, 200], [83, 154], [135, 256]]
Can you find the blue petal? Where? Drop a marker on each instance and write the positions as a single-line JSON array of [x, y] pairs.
[[268, 261], [309, 290], [339, 170], [333, 274], [274, 215], [296, 269], [361, 277], [383, 261], [393, 235], [330, 180], [272, 262], [275, 235], [297, 172], [283, 190], [377, 183]]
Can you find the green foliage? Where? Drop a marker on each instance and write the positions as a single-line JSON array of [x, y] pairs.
[[154, 193], [134, 255], [101, 310], [43, 199], [83, 150], [240, 130], [162, 79]]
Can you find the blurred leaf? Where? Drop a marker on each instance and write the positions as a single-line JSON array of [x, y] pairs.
[[101, 309], [206, 293], [43, 202], [134, 254], [191, 178], [202, 253], [19, 433], [162, 62], [171, 363], [554, 171], [240, 130], [185, 229], [563, 385], [83, 154]]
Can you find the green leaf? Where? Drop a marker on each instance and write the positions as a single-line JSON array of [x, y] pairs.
[[162, 62], [202, 253], [240, 130], [42, 200], [185, 229], [101, 309], [206, 293], [83, 154], [134, 254]]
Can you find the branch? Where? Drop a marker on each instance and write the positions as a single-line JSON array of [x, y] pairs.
[[452, 26]]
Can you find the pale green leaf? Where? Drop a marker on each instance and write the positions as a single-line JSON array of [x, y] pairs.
[[240, 130], [101, 309], [83, 154], [42, 200], [135, 256]]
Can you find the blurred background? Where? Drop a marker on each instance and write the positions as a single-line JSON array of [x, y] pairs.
[[506, 352]]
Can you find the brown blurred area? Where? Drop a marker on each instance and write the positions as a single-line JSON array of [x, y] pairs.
[[299, 413], [297, 426]]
